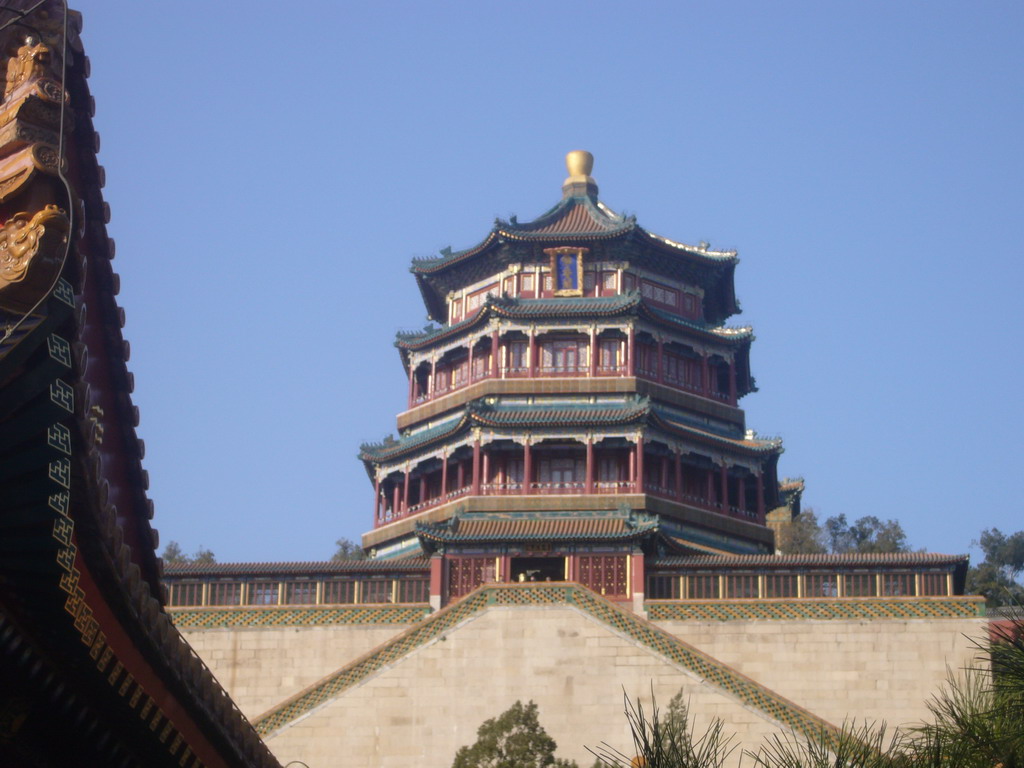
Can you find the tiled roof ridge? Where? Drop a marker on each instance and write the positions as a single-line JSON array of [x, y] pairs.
[[304, 566], [846, 558]]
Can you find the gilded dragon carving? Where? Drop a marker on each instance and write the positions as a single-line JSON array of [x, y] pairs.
[[30, 256]]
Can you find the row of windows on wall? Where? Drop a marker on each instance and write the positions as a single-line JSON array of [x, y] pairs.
[[595, 283], [305, 592], [718, 586]]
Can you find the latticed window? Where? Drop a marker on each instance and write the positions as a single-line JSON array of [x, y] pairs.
[[608, 282], [662, 588], [339, 591], [605, 574], [859, 584], [414, 591], [300, 592], [821, 585], [780, 585], [225, 593], [467, 573], [263, 592], [898, 584], [703, 586], [187, 593], [933, 584], [741, 586], [375, 591]]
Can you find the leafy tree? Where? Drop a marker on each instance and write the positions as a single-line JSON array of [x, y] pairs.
[[513, 739], [802, 536], [172, 555], [348, 550], [868, 534], [996, 576]]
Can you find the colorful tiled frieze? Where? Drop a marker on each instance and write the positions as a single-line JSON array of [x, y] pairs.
[[288, 616], [746, 610]]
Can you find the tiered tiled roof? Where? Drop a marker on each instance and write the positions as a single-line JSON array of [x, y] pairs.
[[563, 526], [625, 305], [632, 411]]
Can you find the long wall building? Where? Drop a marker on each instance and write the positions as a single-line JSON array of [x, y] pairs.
[[573, 506]]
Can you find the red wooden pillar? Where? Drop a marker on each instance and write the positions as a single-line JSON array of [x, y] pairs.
[[495, 344], [589, 487], [741, 493], [725, 487], [376, 501], [533, 354], [636, 577], [432, 384], [640, 464], [732, 382], [460, 474], [660, 362], [593, 352], [469, 364], [527, 467], [679, 475], [632, 470], [663, 480], [709, 488], [485, 474], [412, 384], [436, 580], [396, 501], [444, 476], [423, 489], [760, 497], [405, 491], [631, 352], [475, 489], [705, 375]]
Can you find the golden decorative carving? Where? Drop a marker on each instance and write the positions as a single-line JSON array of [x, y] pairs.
[[30, 63], [31, 247]]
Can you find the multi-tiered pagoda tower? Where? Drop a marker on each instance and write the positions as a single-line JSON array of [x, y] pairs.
[[575, 409]]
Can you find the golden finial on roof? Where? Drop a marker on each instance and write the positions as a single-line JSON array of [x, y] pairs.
[[579, 163]]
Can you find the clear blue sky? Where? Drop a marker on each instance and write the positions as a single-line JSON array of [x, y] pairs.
[[273, 167]]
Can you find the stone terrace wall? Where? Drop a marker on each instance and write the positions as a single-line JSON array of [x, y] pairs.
[[876, 669]]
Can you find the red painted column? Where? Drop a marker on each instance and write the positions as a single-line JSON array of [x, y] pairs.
[[589, 487], [495, 353], [593, 352], [436, 580], [640, 464], [632, 470], [376, 501], [486, 472], [444, 476], [679, 475], [423, 488], [533, 354], [475, 490], [396, 501], [732, 382], [741, 493], [725, 487], [637, 576], [469, 364], [663, 480], [460, 475], [527, 468], [709, 489], [412, 385], [631, 352], [705, 375], [405, 493], [760, 497], [660, 362]]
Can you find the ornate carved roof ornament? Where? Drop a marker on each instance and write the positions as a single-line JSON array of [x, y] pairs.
[[31, 251]]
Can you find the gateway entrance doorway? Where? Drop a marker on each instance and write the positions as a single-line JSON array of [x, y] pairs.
[[538, 569]]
